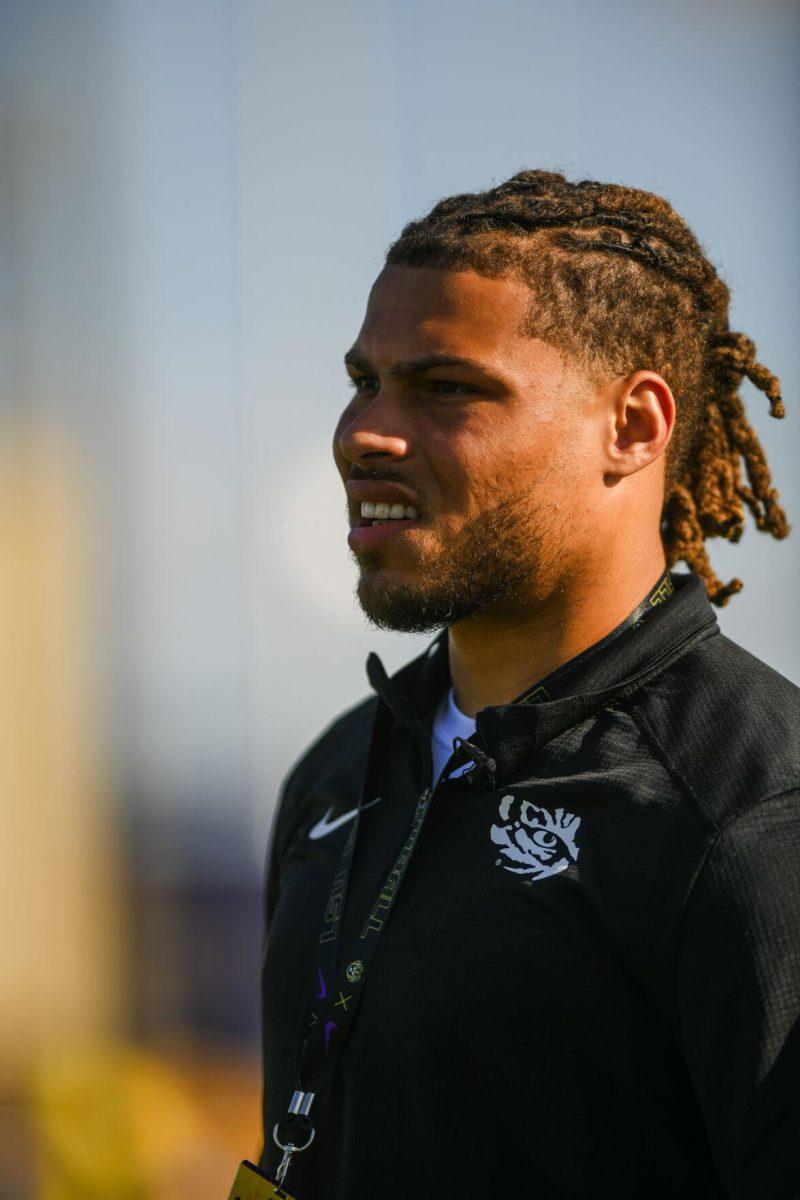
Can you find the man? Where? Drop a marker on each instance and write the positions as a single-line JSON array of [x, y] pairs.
[[555, 953]]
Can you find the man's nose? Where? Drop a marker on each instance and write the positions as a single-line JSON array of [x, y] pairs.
[[376, 429]]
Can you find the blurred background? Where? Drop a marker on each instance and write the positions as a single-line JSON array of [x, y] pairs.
[[195, 196]]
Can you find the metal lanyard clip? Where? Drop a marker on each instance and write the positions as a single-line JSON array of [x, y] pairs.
[[295, 1132]]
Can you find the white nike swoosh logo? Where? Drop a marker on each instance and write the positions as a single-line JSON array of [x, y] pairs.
[[324, 826]]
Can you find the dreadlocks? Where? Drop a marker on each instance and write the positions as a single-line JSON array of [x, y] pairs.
[[621, 283]]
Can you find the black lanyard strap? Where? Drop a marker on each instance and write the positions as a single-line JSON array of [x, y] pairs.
[[335, 991], [328, 1027], [557, 683], [335, 994]]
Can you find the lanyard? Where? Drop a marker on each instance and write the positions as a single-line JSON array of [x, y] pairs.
[[336, 991], [554, 684]]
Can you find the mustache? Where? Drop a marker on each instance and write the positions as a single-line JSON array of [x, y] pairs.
[[387, 475], [377, 474]]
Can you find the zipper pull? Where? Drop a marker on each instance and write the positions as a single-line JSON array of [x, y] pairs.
[[485, 766]]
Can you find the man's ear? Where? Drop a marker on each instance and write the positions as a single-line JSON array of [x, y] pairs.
[[641, 420]]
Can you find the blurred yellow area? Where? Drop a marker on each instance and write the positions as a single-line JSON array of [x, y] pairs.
[[83, 1112], [63, 962], [124, 1123]]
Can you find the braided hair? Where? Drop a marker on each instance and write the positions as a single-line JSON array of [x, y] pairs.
[[620, 282]]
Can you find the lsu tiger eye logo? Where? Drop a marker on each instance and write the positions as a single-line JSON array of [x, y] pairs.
[[534, 841]]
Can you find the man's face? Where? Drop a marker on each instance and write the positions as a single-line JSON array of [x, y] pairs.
[[498, 458]]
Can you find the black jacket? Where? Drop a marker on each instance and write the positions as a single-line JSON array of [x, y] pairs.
[[590, 983]]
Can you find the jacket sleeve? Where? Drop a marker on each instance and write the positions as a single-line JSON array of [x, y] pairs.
[[739, 999], [275, 846]]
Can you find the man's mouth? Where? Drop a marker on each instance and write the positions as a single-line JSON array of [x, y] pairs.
[[387, 511], [381, 521], [381, 513]]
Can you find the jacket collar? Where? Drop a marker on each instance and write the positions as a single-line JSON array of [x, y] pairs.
[[612, 669]]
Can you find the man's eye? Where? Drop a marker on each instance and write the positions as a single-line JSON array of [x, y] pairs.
[[355, 382], [449, 387], [445, 387]]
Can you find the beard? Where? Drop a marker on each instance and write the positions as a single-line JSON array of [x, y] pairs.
[[494, 561]]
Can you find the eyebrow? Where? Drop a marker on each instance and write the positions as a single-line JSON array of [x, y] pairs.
[[411, 367]]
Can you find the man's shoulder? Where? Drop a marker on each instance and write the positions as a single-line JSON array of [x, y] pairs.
[[746, 682], [727, 725]]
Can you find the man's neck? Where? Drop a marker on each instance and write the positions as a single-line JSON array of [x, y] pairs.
[[496, 657]]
